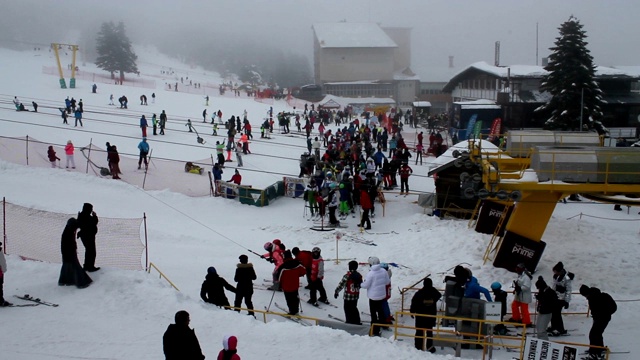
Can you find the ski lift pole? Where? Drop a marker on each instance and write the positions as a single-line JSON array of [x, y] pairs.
[[338, 237]]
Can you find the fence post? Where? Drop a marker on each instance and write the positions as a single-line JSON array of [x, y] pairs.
[[89, 156], [27, 149], [146, 242], [4, 223]]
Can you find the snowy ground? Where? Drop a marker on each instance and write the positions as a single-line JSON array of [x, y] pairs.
[[123, 314]]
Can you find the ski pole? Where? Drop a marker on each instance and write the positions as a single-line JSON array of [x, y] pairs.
[[272, 296]]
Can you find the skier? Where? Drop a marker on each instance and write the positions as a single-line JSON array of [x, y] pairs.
[[71, 272], [274, 256], [332, 203], [153, 98], [366, 204], [425, 301], [220, 153], [215, 129], [500, 296], [522, 290], [229, 348], [94, 88], [143, 126], [310, 196], [80, 106], [289, 278], [212, 290], [405, 172], [245, 274], [63, 114], [317, 274], [3, 270], [154, 123], [35, 106], [562, 281], [143, 146], [78, 116], [51, 154], [219, 116], [239, 154], [163, 122], [188, 125], [351, 282], [68, 150], [88, 225], [217, 177], [204, 112], [375, 283], [602, 306], [547, 299], [305, 257], [114, 162], [179, 341]]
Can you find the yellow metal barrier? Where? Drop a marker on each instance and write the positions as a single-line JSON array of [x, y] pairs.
[[162, 275]]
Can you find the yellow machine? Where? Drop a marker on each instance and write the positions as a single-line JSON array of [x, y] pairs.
[[74, 48]]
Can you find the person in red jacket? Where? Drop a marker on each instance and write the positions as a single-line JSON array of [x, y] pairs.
[[367, 205], [236, 178], [275, 255], [289, 279], [405, 172], [306, 259], [317, 274], [229, 348]]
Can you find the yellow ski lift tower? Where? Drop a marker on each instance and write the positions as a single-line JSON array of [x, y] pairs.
[[72, 81]]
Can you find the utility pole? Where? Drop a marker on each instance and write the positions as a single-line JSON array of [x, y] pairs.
[[581, 106]]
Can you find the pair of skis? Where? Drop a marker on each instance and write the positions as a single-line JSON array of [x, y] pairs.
[[37, 301]]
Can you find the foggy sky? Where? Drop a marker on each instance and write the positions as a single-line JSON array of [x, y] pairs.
[[465, 29]]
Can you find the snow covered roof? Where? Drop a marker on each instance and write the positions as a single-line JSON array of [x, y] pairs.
[[527, 72], [421, 103], [358, 82], [345, 35], [405, 74], [478, 104], [631, 70], [345, 101]]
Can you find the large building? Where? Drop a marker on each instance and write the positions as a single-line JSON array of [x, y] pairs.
[[516, 89], [365, 60]]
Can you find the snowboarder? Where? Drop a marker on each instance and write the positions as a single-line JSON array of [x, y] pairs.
[[425, 301], [212, 290], [179, 341], [351, 282], [602, 306], [88, 225], [245, 274]]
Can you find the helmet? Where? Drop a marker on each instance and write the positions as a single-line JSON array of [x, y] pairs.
[[373, 260], [384, 265], [315, 250], [332, 186], [277, 242], [268, 246], [496, 285]]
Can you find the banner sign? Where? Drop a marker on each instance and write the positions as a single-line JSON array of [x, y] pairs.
[[536, 349]]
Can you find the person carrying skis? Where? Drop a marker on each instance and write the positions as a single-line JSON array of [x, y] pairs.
[[245, 274], [425, 301], [562, 284], [212, 290], [289, 278], [375, 283], [179, 341], [522, 290], [317, 274], [351, 282]]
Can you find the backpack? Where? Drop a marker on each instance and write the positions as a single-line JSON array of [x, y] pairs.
[[611, 305]]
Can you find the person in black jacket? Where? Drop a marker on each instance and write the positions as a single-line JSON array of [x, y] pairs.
[[602, 306], [179, 341], [425, 301], [212, 290], [71, 272], [547, 302], [88, 224], [245, 274]]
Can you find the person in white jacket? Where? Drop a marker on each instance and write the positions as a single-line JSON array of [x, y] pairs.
[[376, 283], [3, 270], [520, 304]]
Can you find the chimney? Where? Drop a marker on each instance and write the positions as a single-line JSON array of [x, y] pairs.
[[450, 61], [545, 61]]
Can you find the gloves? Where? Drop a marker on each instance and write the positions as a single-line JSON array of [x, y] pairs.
[[335, 295]]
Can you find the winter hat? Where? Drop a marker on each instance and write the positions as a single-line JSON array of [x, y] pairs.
[[353, 265], [428, 283], [496, 285], [87, 208], [373, 260], [558, 267], [541, 284], [243, 259], [277, 242], [585, 290], [230, 342], [268, 246], [211, 270]]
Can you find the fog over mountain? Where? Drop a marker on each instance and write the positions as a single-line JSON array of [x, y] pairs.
[[248, 30]]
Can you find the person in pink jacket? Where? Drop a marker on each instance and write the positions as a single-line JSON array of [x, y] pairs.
[[275, 255], [69, 149]]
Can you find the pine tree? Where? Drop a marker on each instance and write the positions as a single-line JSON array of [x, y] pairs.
[[571, 82], [114, 50]]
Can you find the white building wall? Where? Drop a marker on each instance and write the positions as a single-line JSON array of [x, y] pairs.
[[354, 64]]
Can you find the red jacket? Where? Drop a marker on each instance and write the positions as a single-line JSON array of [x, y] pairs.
[[405, 171], [317, 269], [290, 273], [306, 258], [365, 201], [236, 178]]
